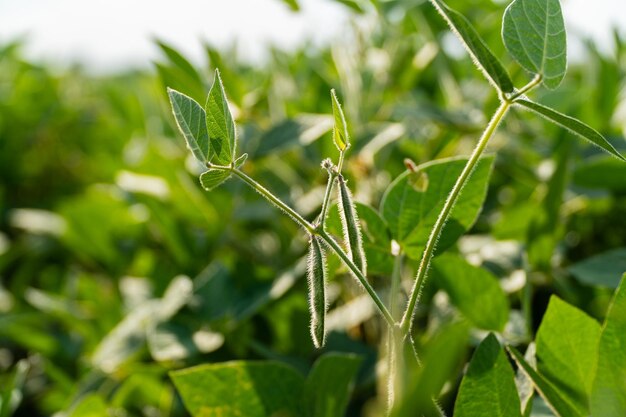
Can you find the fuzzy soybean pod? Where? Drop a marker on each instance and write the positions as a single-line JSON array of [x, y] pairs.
[[351, 227], [316, 275]]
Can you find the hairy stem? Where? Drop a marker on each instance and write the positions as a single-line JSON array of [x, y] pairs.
[[332, 243], [532, 84], [429, 249], [325, 203]]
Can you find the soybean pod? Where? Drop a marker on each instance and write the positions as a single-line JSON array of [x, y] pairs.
[[351, 226], [316, 276]]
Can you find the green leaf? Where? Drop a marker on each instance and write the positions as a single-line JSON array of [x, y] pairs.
[[573, 125], [482, 56], [473, 290], [340, 130], [240, 388], [567, 351], [213, 178], [603, 270], [557, 403], [608, 398], [191, 120], [92, 405], [220, 124], [602, 172], [180, 62], [241, 160], [411, 212], [329, 384], [534, 34], [293, 5], [488, 388]]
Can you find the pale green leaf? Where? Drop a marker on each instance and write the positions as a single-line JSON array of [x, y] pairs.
[[608, 398], [534, 33], [567, 351], [340, 130], [603, 270], [488, 388], [213, 178], [329, 384], [241, 160], [240, 388], [220, 123], [559, 405], [481, 54], [473, 290], [573, 125], [411, 211], [91, 405], [191, 120]]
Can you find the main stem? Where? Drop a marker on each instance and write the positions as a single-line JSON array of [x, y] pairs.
[[332, 243], [429, 249]]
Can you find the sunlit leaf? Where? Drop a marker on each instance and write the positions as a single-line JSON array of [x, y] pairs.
[[220, 123], [534, 33], [191, 120]]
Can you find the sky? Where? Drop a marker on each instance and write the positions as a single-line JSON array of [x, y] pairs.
[[111, 34]]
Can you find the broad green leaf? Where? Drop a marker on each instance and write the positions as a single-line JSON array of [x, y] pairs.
[[476, 47], [340, 130], [214, 178], [602, 172], [240, 388], [220, 123], [567, 351], [329, 384], [559, 405], [488, 388], [411, 212], [608, 398], [573, 125], [534, 33], [191, 120], [473, 290], [603, 270]]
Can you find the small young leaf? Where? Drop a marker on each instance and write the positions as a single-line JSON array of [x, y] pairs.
[[557, 403], [328, 386], [316, 277], [340, 130], [191, 120], [213, 178], [473, 290], [482, 56], [534, 33], [573, 125], [238, 388], [220, 124], [608, 397], [567, 350], [241, 160], [488, 387], [351, 227]]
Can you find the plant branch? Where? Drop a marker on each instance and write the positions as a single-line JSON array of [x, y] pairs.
[[532, 84], [325, 203], [429, 249], [332, 243]]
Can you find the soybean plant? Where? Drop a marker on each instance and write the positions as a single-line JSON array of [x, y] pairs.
[[533, 32]]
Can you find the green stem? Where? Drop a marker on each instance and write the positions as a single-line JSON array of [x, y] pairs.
[[321, 233], [532, 84], [330, 241], [429, 249], [273, 199], [325, 203]]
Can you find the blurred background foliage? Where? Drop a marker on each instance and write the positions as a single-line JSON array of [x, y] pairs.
[[115, 266]]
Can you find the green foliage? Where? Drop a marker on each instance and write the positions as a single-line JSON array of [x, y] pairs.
[[481, 55], [603, 269], [220, 123], [488, 388], [474, 291], [608, 395], [190, 117], [534, 33], [411, 212], [340, 130]]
